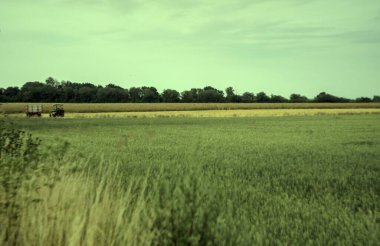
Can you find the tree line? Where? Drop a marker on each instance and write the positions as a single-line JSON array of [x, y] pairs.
[[71, 92]]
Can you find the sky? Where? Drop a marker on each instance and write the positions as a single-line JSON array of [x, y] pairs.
[[276, 46]]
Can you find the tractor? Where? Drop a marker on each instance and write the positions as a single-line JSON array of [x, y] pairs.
[[57, 111]]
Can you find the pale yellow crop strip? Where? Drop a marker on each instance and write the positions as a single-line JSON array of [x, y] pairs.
[[220, 113], [227, 113]]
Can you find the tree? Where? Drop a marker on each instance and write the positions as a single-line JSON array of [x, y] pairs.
[[52, 82], [191, 96], [325, 97], [186, 97], [248, 97], [150, 95], [231, 96], [49, 93], [2, 96], [87, 93], [261, 97], [278, 99], [135, 94], [297, 98], [170, 96], [67, 92], [230, 93], [112, 94], [363, 100], [10, 94], [210, 94], [32, 92]]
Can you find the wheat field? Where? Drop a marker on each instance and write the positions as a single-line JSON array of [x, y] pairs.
[[146, 107], [292, 180]]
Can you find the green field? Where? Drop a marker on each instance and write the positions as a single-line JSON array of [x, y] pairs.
[[292, 180]]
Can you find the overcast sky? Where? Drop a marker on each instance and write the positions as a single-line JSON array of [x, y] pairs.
[[276, 46]]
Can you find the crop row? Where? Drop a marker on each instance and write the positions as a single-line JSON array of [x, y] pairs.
[[146, 107]]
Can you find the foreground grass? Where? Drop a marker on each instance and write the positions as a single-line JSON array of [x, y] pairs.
[[11, 108], [226, 181]]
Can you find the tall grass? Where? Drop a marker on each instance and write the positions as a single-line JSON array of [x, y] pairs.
[[96, 207], [165, 209], [81, 210]]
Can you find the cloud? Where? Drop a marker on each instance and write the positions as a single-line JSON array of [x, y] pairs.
[[268, 23], [360, 37]]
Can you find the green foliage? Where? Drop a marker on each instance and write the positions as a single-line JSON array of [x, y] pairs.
[[10, 94], [111, 93], [248, 97], [376, 99], [261, 97], [328, 98], [149, 95], [363, 100], [135, 94], [20, 168], [70, 92], [297, 98], [170, 96], [19, 158], [231, 96], [16, 143], [210, 94], [278, 99], [190, 96]]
